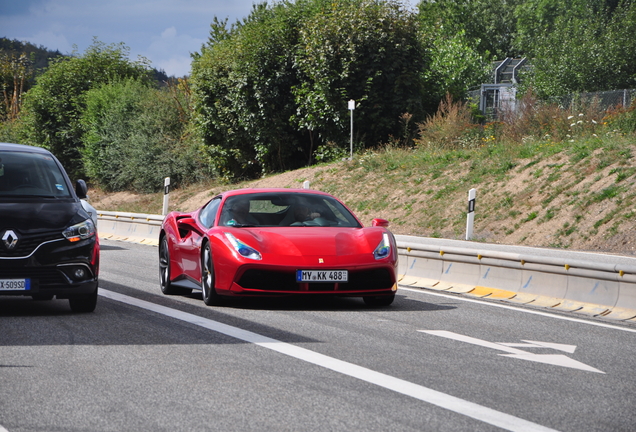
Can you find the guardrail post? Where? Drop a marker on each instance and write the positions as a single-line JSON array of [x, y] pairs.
[[166, 195], [470, 218]]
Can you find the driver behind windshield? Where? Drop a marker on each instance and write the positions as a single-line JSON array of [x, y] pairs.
[[237, 212], [303, 213]]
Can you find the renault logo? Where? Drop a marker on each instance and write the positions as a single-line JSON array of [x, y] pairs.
[[10, 239]]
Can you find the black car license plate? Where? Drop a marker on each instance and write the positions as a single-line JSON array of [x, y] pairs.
[[15, 284]]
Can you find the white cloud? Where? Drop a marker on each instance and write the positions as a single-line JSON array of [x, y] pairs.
[[51, 40], [175, 66], [166, 32], [171, 50]]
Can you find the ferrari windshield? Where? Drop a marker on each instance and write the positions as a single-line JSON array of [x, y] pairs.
[[285, 209], [27, 174]]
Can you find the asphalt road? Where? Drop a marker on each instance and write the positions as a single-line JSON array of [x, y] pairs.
[[430, 362]]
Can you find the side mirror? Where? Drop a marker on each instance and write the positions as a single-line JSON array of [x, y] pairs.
[[81, 190], [380, 223]]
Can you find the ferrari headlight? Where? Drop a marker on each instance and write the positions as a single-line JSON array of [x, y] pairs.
[[243, 249], [80, 231], [384, 248]]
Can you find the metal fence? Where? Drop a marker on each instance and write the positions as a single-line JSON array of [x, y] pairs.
[[493, 99], [604, 99]]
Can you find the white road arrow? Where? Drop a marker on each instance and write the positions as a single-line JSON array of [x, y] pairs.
[[513, 350], [536, 344]]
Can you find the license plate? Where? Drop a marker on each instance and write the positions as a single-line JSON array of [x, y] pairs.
[[322, 275], [15, 284]]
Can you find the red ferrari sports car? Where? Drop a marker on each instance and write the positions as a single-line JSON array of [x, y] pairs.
[[273, 242]]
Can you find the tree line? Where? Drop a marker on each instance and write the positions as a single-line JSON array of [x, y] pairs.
[[270, 92]]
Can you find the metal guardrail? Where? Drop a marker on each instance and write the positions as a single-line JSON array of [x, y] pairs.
[[567, 284]]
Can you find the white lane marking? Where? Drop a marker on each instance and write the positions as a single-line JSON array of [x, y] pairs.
[[518, 309], [559, 347], [433, 397], [553, 359]]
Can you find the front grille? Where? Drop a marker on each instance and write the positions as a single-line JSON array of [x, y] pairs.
[[268, 280], [376, 279], [45, 275], [27, 243], [366, 280], [325, 286]]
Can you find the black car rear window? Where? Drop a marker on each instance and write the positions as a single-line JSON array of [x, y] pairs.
[[26, 174]]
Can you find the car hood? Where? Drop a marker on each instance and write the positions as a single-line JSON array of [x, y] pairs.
[[29, 216], [307, 241]]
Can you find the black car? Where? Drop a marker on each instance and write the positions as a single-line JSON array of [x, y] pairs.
[[48, 242]]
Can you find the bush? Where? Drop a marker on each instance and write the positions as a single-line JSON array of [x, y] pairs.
[[451, 127], [134, 138], [622, 120], [52, 108], [10, 131]]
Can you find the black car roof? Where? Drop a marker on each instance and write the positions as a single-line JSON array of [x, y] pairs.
[[21, 147]]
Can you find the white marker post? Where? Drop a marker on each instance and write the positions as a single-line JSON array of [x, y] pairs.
[[470, 218], [352, 106], [306, 184], [166, 195]]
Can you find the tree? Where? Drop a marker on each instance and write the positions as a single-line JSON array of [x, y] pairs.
[[135, 136], [455, 66], [488, 25], [269, 89], [15, 71], [241, 83], [367, 51], [52, 108], [580, 46], [39, 57]]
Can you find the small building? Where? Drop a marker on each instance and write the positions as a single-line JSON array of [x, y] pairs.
[[501, 94]]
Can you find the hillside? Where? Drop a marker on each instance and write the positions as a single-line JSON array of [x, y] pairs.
[[580, 198]]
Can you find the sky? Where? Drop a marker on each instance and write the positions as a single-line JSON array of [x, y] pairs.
[[163, 31]]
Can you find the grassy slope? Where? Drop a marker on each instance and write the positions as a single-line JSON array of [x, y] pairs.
[[578, 195]]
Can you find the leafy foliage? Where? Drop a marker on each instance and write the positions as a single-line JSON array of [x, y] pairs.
[[365, 51], [456, 66], [39, 57], [52, 108], [270, 90], [578, 45], [134, 138], [489, 24], [15, 71], [241, 84]]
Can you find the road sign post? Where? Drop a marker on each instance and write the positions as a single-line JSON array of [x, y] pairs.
[[166, 195], [352, 106], [470, 218]]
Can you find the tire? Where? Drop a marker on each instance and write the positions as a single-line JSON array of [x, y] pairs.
[[164, 271], [83, 303], [210, 297], [379, 301]]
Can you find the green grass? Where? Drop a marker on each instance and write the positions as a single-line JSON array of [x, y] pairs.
[[560, 183]]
